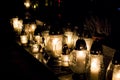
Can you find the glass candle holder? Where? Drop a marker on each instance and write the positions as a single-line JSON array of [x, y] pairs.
[[27, 3], [35, 48], [32, 28], [17, 25], [113, 69], [65, 60], [26, 28], [23, 39], [116, 73], [38, 39], [79, 61], [96, 67], [54, 45]]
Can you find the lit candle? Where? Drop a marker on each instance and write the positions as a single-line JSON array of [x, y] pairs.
[[27, 28], [32, 28], [20, 26], [38, 39], [65, 60], [81, 60], [27, 3], [24, 39], [95, 66], [17, 24], [35, 48], [54, 45], [78, 61], [46, 2], [36, 55], [116, 73]]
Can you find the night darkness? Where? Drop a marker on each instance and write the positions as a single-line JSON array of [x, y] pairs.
[[72, 10]]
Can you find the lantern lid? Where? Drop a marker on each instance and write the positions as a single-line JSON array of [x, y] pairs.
[[80, 44], [96, 47], [55, 29], [116, 57]]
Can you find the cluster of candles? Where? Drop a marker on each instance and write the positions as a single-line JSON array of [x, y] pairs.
[[80, 61]]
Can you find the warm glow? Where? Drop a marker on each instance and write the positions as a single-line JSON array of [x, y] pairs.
[[81, 54], [65, 60], [78, 61], [81, 57], [54, 45], [32, 28], [17, 24], [38, 39], [95, 66], [116, 73], [27, 28], [46, 2], [36, 55], [24, 39], [35, 48], [27, 4], [34, 6], [20, 24]]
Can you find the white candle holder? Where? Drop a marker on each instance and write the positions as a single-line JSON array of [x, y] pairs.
[[17, 25], [54, 45], [38, 39], [23, 39], [113, 69], [32, 28], [116, 73], [27, 4], [35, 48], [79, 61], [65, 60], [96, 66]]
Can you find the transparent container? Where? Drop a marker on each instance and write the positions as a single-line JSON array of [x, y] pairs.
[[113, 69], [96, 69], [79, 59]]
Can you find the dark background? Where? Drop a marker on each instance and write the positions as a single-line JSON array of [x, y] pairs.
[[73, 11]]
